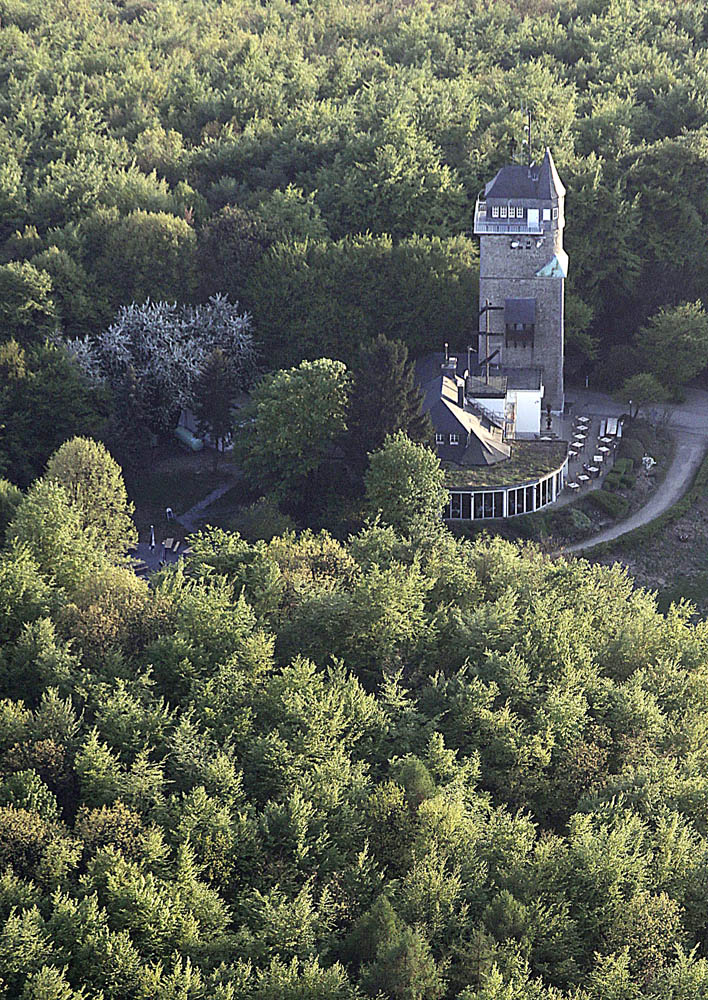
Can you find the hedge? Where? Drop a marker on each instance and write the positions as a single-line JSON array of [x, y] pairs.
[[608, 502]]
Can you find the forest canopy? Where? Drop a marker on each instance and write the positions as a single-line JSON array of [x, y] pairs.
[[401, 767], [319, 162]]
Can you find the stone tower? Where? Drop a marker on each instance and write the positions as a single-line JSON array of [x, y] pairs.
[[519, 218]]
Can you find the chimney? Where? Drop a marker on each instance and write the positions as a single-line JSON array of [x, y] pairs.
[[461, 395], [449, 365]]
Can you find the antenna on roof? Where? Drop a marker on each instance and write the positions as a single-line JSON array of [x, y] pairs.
[[527, 129]]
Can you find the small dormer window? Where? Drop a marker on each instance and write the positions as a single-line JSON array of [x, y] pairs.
[[519, 212], [502, 211], [454, 439], [546, 215], [555, 213], [495, 211], [439, 438]]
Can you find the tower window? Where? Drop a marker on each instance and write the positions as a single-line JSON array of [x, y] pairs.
[[495, 211], [555, 213], [502, 211], [454, 439], [520, 322], [520, 334], [519, 212], [439, 438]]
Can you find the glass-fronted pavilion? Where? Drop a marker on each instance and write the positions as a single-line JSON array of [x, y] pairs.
[[531, 479]]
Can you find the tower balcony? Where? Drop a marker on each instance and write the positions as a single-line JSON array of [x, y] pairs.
[[483, 223]]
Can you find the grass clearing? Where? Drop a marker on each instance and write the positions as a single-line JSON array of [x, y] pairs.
[[176, 479]]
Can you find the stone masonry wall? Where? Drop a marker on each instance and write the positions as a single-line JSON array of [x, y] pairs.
[[507, 273]]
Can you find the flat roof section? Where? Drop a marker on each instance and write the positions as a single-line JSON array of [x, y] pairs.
[[528, 462]]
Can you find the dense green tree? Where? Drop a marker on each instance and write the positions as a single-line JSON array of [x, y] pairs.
[[56, 535], [230, 246], [10, 497], [27, 312], [674, 344], [292, 423], [638, 390], [147, 255], [405, 483], [45, 400], [312, 297], [93, 482], [214, 392], [77, 300], [405, 969]]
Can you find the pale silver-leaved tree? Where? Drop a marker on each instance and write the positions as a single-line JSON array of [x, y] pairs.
[[164, 347]]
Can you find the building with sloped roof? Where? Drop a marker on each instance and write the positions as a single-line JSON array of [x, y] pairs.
[[490, 472]]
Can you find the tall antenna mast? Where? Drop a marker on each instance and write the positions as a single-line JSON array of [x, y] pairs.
[[528, 134]]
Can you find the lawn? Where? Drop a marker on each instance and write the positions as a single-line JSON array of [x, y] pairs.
[[175, 479]]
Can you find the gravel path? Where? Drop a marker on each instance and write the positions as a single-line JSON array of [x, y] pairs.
[[147, 560], [190, 520], [691, 448]]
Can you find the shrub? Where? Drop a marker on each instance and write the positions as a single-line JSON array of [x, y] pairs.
[[613, 480], [570, 522], [581, 522], [263, 519], [531, 526], [631, 449], [609, 503], [623, 466]]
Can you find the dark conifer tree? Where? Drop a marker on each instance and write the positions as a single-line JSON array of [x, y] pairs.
[[213, 399], [385, 399]]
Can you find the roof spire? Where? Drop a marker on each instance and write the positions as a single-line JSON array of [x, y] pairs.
[[549, 175]]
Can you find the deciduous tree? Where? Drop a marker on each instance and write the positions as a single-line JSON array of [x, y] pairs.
[[638, 390], [405, 483], [674, 344], [295, 418], [93, 482]]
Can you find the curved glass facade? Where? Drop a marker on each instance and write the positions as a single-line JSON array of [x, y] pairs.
[[511, 501]]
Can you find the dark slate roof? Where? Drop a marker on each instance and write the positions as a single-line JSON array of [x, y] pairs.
[[520, 311], [428, 367], [484, 446], [536, 182], [548, 179]]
